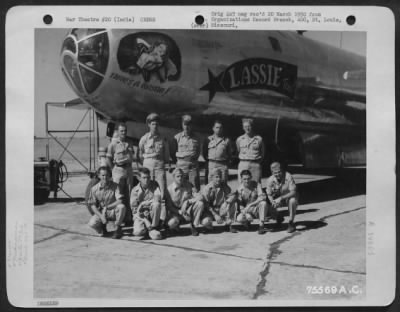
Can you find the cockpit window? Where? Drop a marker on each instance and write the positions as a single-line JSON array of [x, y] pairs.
[[275, 44], [72, 70], [93, 52], [90, 79], [85, 56], [80, 33]]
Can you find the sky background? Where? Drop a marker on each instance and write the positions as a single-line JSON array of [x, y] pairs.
[[50, 85]]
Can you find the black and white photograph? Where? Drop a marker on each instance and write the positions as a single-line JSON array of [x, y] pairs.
[[206, 165]]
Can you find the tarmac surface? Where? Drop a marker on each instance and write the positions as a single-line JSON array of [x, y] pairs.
[[328, 249]]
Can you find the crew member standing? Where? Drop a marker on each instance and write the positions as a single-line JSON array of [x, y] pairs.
[[120, 154], [218, 150], [154, 152], [251, 151], [186, 151]]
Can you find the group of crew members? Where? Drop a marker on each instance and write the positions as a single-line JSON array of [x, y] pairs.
[[155, 209]]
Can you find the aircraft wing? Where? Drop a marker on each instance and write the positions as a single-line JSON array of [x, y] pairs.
[[339, 93], [78, 104]]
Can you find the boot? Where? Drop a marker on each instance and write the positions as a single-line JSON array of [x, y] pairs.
[[230, 228], [262, 229], [104, 232], [291, 227], [246, 225], [118, 233], [193, 230]]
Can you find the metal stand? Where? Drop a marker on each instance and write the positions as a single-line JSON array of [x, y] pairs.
[[90, 115]]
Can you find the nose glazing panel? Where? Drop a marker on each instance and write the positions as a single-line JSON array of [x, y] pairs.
[[85, 56]]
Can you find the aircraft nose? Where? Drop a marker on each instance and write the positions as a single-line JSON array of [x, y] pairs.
[[84, 59]]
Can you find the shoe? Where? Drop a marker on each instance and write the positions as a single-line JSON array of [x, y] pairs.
[[129, 223], [232, 229], [118, 233], [279, 219], [246, 225], [262, 230], [291, 227], [163, 230], [154, 234], [104, 232], [194, 231]]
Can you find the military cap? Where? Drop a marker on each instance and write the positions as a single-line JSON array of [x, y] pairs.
[[216, 171], [275, 165], [249, 120], [152, 117], [186, 119], [176, 171]]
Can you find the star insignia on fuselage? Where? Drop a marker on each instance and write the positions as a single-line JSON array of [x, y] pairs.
[[212, 86]]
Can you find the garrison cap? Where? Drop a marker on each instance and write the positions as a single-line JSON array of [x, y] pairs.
[[186, 119], [249, 120], [152, 117], [216, 171], [275, 165], [176, 171]]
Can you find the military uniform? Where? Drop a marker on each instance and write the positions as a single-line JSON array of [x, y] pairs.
[[154, 150], [102, 196], [218, 152], [187, 153], [121, 155], [219, 200], [181, 198], [251, 154], [146, 216], [276, 189], [248, 195]]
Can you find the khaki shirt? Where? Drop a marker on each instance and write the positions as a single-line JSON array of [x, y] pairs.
[[250, 148], [187, 146], [154, 146], [215, 196], [177, 195], [121, 153], [276, 188], [104, 195], [218, 149], [138, 194], [251, 194]]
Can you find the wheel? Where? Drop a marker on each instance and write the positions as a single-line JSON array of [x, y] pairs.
[[40, 196]]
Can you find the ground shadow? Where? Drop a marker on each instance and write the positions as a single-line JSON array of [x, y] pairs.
[[344, 183], [66, 200], [285, 212], [301, 226], [59, 200], [270, 226]]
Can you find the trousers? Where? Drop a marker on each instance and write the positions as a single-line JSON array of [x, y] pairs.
[[117, 214]]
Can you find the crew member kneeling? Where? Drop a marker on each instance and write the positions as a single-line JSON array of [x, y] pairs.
[[220, 203], [281, 191], [105, 199], [146, 206], [252, 202], [182, 205]]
